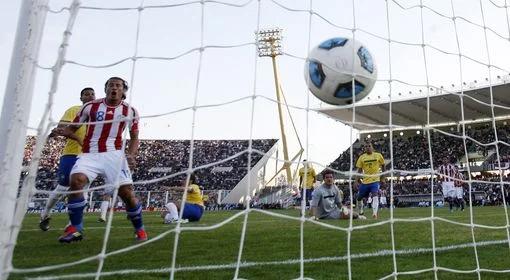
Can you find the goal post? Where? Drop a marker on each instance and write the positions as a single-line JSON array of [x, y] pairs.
[[14, 117]]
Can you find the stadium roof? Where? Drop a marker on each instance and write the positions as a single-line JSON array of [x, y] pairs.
[[445, 108]]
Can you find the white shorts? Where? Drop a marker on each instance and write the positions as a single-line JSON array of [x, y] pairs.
[[112, 166], [448, 189], [459, 192], [382, 200]]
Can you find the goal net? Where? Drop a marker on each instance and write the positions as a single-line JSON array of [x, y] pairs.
[[196, 75]]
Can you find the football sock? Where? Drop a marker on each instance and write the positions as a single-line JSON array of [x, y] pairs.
[[104, 209], [375, 205], [55, 196], [360, 206], [135, 215], [75, 209]]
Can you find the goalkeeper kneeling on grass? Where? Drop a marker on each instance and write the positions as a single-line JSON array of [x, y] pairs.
[[193, 207], [327, 201]]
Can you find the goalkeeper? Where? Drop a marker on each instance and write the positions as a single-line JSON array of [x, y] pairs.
[[327, 201]]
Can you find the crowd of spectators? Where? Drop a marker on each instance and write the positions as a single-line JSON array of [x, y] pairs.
[[412, 152], [222, 163]]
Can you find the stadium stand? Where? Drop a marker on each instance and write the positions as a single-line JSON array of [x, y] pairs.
[[160, 158]]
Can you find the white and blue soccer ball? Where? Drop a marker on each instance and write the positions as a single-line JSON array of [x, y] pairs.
[[331, 66]]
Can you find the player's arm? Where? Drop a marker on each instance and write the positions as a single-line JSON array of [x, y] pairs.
[[316, 197], [339, 198], [359, 180], [383, 168], [132, 150], [65, 122], [67, 130], [359, 165], [134, 141]]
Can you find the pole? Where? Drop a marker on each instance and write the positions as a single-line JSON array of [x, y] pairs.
[[14, 117], [282, 127]]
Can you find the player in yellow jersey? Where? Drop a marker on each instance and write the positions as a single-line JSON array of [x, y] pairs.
[[193, 207], [307, 178], [370, 164], [69, 155]]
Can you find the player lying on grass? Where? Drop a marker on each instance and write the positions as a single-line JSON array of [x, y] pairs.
[[193, 207]]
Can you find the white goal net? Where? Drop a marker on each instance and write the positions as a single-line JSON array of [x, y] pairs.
[[197, 79]]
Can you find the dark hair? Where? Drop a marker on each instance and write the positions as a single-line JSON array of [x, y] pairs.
[[124, 83], [325, 172], [192, 178], [83, 90]]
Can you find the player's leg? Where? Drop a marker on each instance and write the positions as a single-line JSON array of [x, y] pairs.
[[117, 173], [172, 213], [133, 210], [382, 202], [453, 198], [105, 203], [75, 206], [84, 171], [374, 189], [192, 212], [448, 192], [66, 163], [460, 198], [309, 199], [446, 197], [362, 193]]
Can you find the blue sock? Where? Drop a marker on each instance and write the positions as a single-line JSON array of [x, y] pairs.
[[135, 215], [75, 209]]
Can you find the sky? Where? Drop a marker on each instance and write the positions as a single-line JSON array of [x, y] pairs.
[[161, 88]]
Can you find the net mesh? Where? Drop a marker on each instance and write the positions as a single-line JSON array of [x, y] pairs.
[[427, 54]]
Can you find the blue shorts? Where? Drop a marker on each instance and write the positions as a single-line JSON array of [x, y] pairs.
[[64, 169], [192, 212], [366, 189], [308, 195]]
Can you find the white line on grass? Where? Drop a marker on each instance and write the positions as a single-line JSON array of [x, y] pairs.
[[283, 262]]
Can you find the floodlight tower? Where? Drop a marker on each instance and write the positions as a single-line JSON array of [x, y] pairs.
[[269, 45]]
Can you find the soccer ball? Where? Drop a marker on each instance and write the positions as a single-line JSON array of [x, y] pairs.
[[330, 67]]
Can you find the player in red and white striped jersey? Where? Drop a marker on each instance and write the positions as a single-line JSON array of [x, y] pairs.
[[106, 119], [448, 175], [105, 136]]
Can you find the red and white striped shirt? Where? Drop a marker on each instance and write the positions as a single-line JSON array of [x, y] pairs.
[[449, 170], [105, 136]]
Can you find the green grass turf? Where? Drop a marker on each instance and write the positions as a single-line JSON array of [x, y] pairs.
[[270, 240]]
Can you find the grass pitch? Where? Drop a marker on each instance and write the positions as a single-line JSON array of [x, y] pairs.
[[272, 247]]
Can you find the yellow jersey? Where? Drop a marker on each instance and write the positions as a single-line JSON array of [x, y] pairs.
[[370, 164], [72, 147], [195, 195], [310, 176]]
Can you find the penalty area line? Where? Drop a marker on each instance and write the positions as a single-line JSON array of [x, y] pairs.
[[380, 253]]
